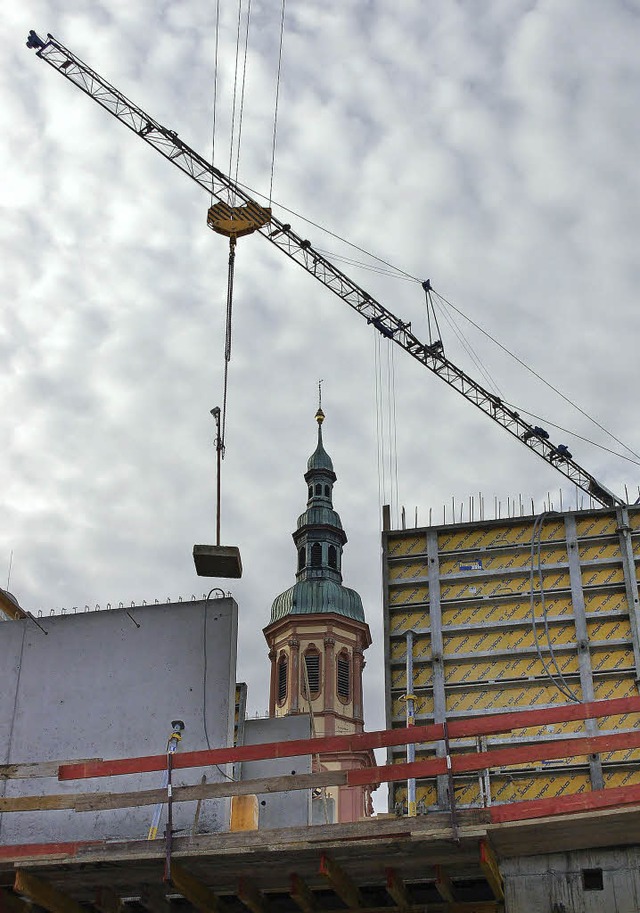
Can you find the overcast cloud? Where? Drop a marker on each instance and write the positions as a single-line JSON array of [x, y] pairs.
[[490, 146]]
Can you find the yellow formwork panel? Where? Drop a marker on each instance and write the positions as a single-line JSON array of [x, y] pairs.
[[539, 785], [596, 525], [598, 551], [602, 576], [516, 584], [626, 756], [501, 561], [425, 793], [421, 648], [422, 677], [516, 610], [614, 660], [513, 695], [619, 722], [624, 777], [401, 621], [501, 639], [408, 594], [634, 519], [609, 601], [609, 686], [482, 671], [411, 543], [423, 706], [609, 629], [476, 537], [408, 571]]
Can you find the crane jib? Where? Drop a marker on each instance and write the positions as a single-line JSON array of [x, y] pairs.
[[300, 250]]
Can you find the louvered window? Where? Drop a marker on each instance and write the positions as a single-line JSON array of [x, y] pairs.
[[333, 556], [318, 489], [312, 663], [316, 555], [310, 491], [343, 675], [301, 558], [282, 679], [327, 491]]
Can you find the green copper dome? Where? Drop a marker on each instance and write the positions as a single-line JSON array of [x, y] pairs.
[[311, 597], [319, 539]]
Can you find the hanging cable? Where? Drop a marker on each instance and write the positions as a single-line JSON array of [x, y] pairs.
[[235, 92], [227, 340], [215, 89], [379, 456], [275, 112], [394, 429], [244, 79]]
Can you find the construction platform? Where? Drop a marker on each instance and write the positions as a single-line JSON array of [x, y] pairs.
[[395, 865]]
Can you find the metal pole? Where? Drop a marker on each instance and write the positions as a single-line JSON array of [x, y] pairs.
[[215, 412], [411, 748]]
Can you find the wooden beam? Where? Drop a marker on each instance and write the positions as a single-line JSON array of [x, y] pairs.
[[36, 769], [564, 805], [107, 901], [397, 890], [489, 865], [44, 895], [193, 890], [488, 724], [340, 882], [251, 897], [154, 899], [302, 895], [10, 903], [444, 885], [11, 608]]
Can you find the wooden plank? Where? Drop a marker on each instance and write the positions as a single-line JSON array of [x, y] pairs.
[[340, 882], [251, 897], [443, 884], [107, 901], [397, 889], [563, 805], [482, 725], [11, 608], [10, 903], [302, 894], [44, 895], [37, 769], [37, 803], [489, 865], [499, 757], [197, 893]]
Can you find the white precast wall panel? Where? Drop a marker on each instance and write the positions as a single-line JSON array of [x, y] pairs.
[[107, 685]]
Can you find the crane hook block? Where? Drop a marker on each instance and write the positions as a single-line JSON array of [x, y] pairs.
[[235, 221]]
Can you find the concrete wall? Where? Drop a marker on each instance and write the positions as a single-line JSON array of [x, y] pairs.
[[291, 809], [570, 882], [108, 684]]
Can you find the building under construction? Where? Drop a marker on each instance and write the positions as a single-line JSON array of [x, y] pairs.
[[512, 661]]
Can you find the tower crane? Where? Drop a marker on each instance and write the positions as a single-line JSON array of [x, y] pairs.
[[238, 213]]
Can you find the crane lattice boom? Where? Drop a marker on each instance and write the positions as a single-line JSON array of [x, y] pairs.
[[282, 236]]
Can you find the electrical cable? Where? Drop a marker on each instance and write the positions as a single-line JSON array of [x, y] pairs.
[[275, 112], [536, 538], [244, 78], [379, 458], [535, 374]]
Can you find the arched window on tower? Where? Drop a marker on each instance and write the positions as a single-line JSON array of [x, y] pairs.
[[282, 678], [310, 491], [327, 491], [313, 671], [318, 489], [316, 555], [333, 556], [343, 676], [302, 555]]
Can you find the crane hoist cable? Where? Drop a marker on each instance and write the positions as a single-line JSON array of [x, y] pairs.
[[275, 111], [215, 87]]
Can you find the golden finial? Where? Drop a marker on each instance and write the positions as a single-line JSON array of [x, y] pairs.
[[320, 413]]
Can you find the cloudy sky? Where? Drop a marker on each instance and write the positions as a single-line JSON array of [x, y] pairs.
[[490, 146]]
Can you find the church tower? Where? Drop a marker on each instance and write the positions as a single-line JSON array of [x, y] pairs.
[[317, 636]]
